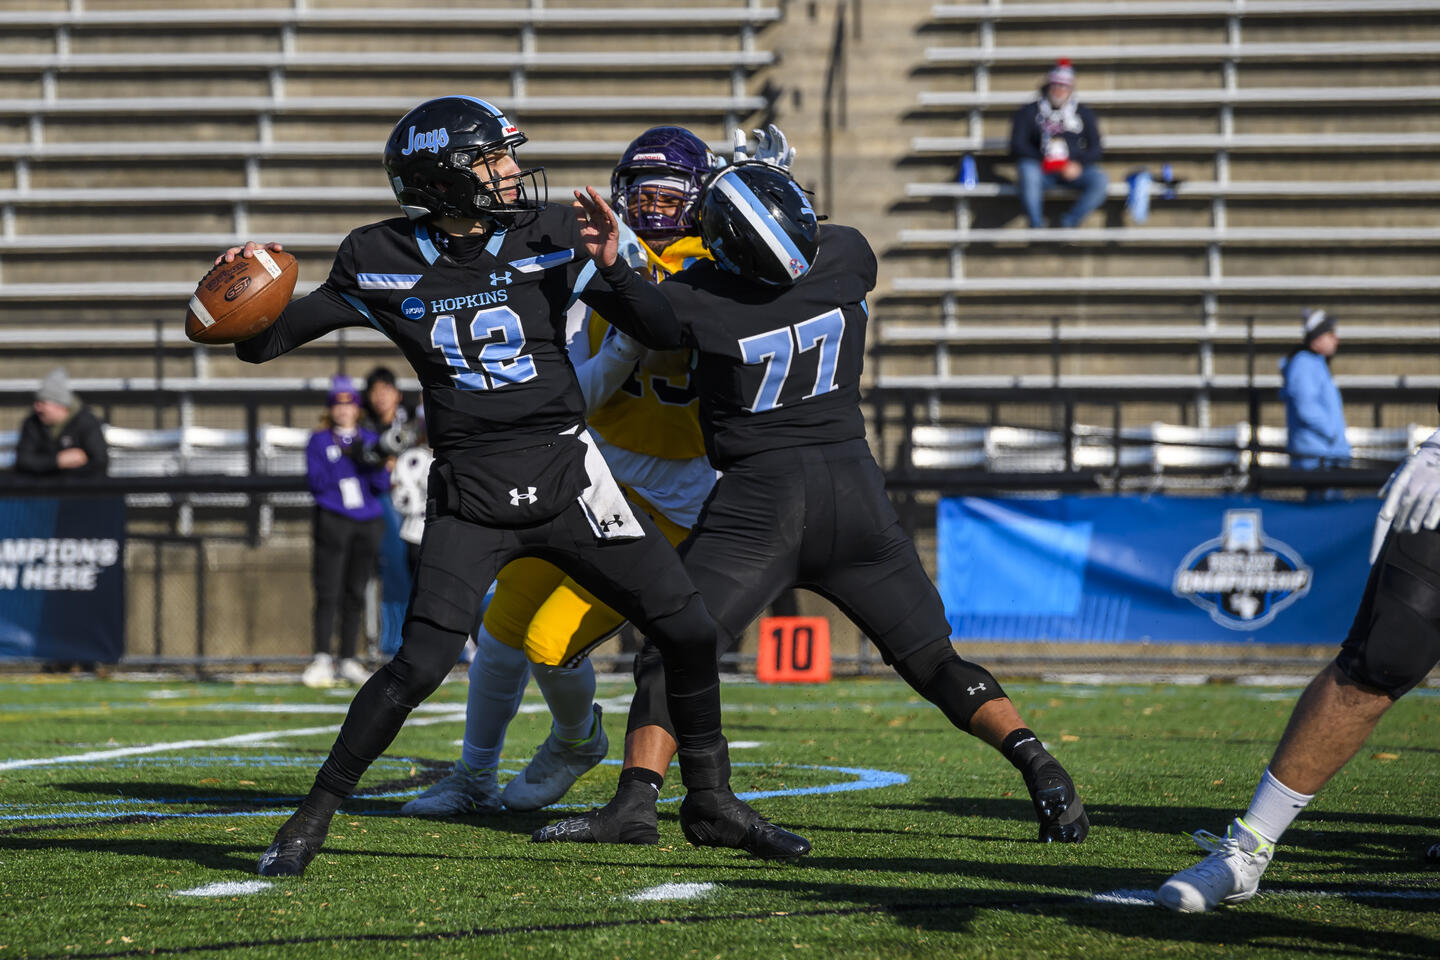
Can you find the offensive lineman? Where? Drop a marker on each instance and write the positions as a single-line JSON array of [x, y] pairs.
[[778, 320], [473, 288], [642, 409], [1394, 642]]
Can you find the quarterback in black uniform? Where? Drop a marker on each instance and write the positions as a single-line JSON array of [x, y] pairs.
[[778, 323], [473, 286]]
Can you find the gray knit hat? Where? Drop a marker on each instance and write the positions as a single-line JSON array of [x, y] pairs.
[[1314, 323], [55, 388]]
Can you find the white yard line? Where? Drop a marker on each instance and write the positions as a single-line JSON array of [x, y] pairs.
[[227, 888], [443, 713], [672, 891], [239, 739]]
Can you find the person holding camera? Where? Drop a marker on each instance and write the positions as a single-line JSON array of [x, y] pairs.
[[347, 476]]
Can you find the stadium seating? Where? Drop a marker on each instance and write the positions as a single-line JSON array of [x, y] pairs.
[[201, 131], [1302, 138], [1154, 448]]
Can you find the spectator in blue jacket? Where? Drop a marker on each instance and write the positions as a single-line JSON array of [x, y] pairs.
[[1314, 416], [347, 477], [1055, 142]]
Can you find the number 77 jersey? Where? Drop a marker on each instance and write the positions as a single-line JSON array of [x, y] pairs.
[[778, 366]]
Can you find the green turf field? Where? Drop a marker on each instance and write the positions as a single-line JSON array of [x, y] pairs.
[[933, 855]]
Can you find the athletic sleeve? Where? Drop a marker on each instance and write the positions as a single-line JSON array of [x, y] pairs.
[[601, 375], [633, 305], [329, 307]]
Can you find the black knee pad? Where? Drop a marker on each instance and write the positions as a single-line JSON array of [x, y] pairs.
[[427, 654], [649, 708], [958, 687], [690, 630]]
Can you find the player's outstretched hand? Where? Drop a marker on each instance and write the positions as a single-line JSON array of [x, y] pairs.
[[1412, 495], [770, 147], [599, 230], [246, 251]]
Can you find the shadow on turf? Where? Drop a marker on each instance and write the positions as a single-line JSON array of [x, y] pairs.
[[212, 856], [1343, 832], [953, 910], [943, 910]]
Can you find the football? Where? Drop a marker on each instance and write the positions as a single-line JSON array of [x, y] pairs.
[[239, 299]]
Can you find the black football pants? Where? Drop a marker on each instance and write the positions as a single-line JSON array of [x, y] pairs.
[[642, 579], [344, 559], [815, 517]]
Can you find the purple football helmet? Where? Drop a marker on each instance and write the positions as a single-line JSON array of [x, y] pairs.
[[666, 167]]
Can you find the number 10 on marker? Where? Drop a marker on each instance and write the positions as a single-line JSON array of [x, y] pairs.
[[794, 650]]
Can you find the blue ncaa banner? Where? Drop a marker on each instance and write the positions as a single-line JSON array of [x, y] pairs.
[[1153, 569], [62, 579]]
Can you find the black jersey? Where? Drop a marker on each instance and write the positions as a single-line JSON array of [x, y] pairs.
[[779, 366], [482, 320]]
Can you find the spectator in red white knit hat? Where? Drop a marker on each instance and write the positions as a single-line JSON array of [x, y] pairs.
[[1055, 141]]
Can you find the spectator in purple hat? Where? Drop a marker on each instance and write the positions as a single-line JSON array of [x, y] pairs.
[[1055, 142], [347, 476]]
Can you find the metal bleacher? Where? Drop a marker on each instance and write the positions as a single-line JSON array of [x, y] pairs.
[[173, 132], [1304, 139], [1155, 448]]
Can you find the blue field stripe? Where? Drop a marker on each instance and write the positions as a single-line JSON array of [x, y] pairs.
[[866, 779]]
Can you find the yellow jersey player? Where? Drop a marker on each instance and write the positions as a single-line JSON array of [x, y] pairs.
[[643, 411]]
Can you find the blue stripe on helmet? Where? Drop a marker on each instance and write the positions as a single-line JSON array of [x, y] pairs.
[[494, 110], [743, 191]]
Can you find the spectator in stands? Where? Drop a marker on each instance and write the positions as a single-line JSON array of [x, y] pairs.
[[385, 410], [386, 415], [61, 438], [1055, 142], [1314, 416], [347, 477]]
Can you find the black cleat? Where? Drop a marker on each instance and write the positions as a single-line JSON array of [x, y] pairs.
[[622, 820], [296, 844], [1057, 805], [718, 818], [1433, 854]]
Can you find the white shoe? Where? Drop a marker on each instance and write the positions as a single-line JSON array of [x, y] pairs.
[[353, 671], [463, 791], [320, 673], [1230, 874], [555, 768]]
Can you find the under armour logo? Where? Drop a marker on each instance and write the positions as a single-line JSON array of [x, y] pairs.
[[615, 520], [500, 278], [517, 498], [975, 689]]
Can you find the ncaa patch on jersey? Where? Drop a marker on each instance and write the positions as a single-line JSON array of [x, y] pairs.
[[413, 308]]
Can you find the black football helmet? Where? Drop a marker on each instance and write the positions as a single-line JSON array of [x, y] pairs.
[[431, 152], [757, 222]]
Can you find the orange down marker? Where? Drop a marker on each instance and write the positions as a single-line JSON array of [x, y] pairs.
[[794, 650]]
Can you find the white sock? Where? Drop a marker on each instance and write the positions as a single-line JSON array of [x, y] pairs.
[[570, 694], [1273, 807], [497, 684]]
